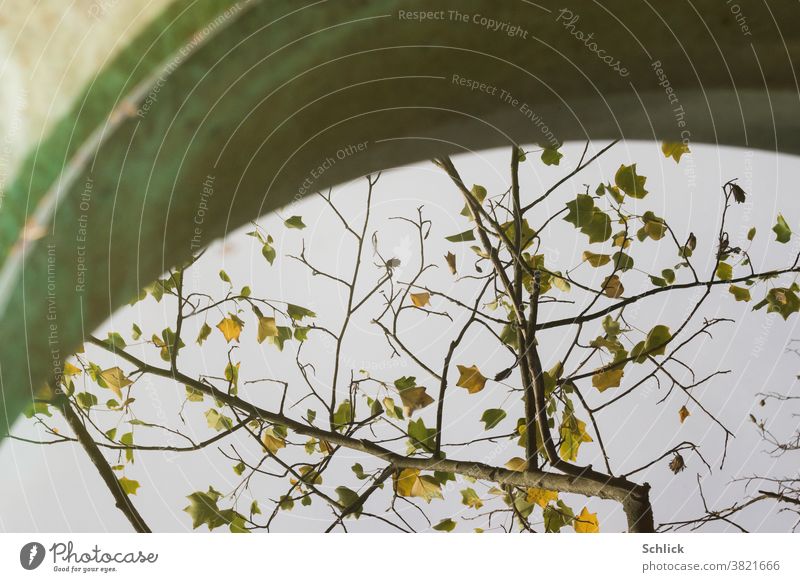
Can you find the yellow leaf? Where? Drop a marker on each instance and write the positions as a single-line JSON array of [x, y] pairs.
[[587, 522], [596, 260], [421, 299], [612, 287], [541, 497], [674, 150], [272, 442], [409, 483], [604, 379], [516, 464], [683, 413], [71, 370], [115, 379], [573, 434], [231, 328], [325, 447], [451, 262], [414, 399], [471, 379], [266, 328]]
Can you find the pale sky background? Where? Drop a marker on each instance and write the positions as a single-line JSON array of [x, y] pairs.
[[55, 488]]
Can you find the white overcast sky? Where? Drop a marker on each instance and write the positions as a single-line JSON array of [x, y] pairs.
[[55, 488]]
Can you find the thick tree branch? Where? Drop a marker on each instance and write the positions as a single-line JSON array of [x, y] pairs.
[[633, 497], [121, 498]]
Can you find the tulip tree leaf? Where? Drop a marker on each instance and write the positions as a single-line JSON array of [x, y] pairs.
[[674, 150], [492, 417], [782, 230], [589, 219], [630, 182]]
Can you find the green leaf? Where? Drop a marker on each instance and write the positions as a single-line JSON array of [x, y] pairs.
[[740, 293], [268, 252], [654, 345], [127, 440], [589, 219], [136, 332], [284, 335], [674, 150], [193, 394], [465, 236], [446, 525], [342, 416], [573, 434], [359, 471], [115, 340], [470, 498], [605, 379], [782, 231], [527, 234], [217, 421], [492, 417], [205, 331], [557, 516], [203, 509], [37, 408], [224, 276], [295, 222], [266, 328], [611, 326], [442, 477], [630, 182], [421, 436], [232, 376], [623, 261], [781, 300], [551, 156], [595, 260], [86, 400], [129, 486], [724, 271], [298, 313], [392, 410], [653, 227], [751, 234], [479, 194], [348, 497]]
